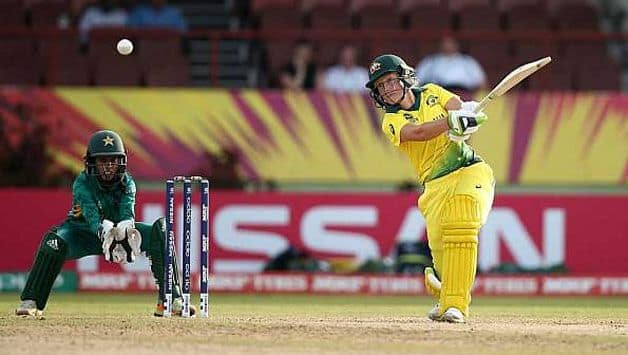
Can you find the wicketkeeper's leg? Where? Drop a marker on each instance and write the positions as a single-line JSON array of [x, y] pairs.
[[154, 244], [47, 265]]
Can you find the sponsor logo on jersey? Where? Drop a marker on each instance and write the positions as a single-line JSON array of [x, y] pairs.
[[409, 117], [392, 129], [76, 211]]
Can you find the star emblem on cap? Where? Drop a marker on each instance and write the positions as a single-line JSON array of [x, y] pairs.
[[108, 141]]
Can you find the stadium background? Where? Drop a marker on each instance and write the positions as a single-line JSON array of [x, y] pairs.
[[288, 167]]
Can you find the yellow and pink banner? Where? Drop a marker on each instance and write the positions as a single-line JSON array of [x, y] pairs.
[[294, 137]]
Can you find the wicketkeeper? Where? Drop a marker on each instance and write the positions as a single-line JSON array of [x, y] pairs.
[[431, 125], [101, 221]]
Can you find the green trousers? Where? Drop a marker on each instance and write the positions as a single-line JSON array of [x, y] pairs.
[[72, 240]]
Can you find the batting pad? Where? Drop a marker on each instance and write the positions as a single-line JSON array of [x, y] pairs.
[[460, 224]]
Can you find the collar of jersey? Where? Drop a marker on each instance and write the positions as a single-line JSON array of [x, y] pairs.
[[415, 107]]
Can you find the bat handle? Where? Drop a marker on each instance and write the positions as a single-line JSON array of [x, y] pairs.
[[482, 104]]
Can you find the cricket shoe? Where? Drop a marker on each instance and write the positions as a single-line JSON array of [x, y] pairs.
[[453, 315], [434, 314], [177, 308], [28, 308]]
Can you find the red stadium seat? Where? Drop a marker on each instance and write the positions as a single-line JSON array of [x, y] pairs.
[[173, 71], [527, 51], [490, 53], [606, 77], [574, 14], [478, 17], [329, 14], [162, 60], [107, 66], [370, 14], [278, 54], [526, 15], [11, 13], [278, 14], [556, 77], [411, 52], [426, 14], [115, 70], [18, 63], [47, 13], [63, 63]]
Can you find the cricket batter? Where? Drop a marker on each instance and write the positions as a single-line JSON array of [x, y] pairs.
[[102, 220], [431, 125]]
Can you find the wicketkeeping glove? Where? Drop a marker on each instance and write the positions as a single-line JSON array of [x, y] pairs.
[[121, 244]]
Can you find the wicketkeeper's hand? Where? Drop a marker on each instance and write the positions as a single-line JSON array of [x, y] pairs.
[[463, 122], [121, 244]]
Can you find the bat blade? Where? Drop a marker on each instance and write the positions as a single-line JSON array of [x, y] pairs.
[[513, 78]]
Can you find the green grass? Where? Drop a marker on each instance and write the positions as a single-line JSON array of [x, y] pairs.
[[278, 324]]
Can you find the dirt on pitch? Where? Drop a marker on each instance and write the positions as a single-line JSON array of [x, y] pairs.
[[97, 324]]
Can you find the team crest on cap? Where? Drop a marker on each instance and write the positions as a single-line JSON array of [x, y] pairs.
[[375, 67], [107, 141]]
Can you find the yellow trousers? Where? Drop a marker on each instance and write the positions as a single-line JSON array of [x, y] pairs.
[[455, 206]]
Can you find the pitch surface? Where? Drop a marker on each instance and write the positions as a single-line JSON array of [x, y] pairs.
[[115, 324]]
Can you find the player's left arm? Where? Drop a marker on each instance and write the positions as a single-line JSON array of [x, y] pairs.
[[462, 120]]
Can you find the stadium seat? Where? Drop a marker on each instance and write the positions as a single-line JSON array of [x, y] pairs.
[[426, 14], [106, 65], [489, 53], [278, 54], [411, 52], [556, 77], [524, 15], [606, 77], [529, 51], [328, 14], [18, 63], [370, 14], [11, 13], [162, 60], [574, 14], [593, 53], [168, 72], [478, 16], [278, 14], [47, 13], [328, 52], [63, 63]]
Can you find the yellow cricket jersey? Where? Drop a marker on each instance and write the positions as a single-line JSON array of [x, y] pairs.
[[438, 156]]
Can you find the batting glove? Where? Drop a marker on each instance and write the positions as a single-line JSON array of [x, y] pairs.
[[462, 122]]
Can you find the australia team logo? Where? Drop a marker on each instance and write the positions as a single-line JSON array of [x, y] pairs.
[[375, 67], [431, 100]]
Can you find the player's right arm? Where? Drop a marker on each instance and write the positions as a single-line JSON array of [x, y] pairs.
[[424, 131], [399, 130]]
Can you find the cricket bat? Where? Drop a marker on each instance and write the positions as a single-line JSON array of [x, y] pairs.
[[512, 79]]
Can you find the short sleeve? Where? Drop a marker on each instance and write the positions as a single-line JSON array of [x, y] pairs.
[[392, 125], [443, 95]]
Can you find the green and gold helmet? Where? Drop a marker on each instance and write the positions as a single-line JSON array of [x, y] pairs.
[[389, 63], [105, 144]]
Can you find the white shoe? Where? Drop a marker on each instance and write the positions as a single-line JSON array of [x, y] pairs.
[[453, 315], [28, 308], [434, 314]]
